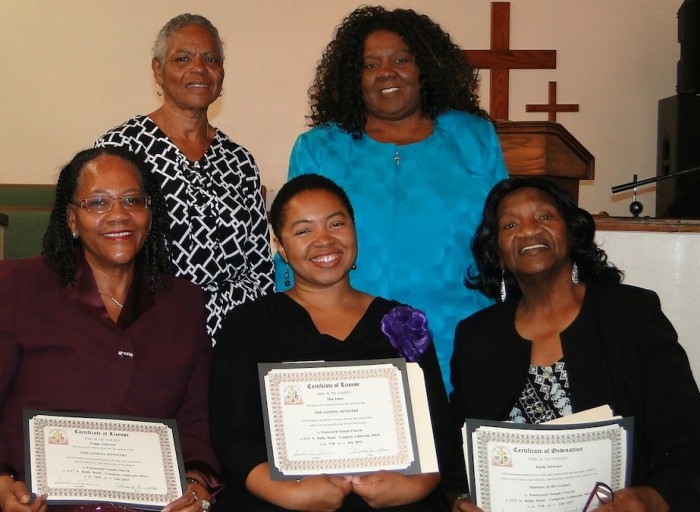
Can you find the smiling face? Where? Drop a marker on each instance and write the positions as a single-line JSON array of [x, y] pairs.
[[532, 234], [112, 239], [192, 71], [390, 78], [317, 238]]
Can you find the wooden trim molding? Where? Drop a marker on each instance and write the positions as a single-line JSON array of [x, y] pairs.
[[604, 222]]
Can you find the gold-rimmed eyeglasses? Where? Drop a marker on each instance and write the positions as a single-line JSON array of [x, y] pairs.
[[103, 204], [601, 491]]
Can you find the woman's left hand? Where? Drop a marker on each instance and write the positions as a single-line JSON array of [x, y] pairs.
[[464, 504], [388, 488], [196, 499], [635, 499]]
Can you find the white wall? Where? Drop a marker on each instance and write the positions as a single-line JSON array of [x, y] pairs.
[[73, 68], [667, 263]]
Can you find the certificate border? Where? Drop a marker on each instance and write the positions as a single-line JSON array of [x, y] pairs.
[[509, 434], [174, 468], [285, 469]]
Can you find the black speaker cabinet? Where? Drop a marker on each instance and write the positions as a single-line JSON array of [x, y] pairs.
[[689, 38], [678, 149]]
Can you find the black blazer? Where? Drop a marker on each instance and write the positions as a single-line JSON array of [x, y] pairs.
[[621, 350]]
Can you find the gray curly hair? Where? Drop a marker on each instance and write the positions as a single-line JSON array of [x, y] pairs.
[[174, 25]]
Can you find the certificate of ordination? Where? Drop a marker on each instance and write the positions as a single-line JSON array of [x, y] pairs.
[[346, 418], [89, 459], [544, 468]]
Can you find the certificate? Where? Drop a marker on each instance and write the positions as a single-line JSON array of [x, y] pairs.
[[521, 468], [345, 418], [87, 459]]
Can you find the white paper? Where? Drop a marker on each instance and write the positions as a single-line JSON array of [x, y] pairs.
[[544, 470], [349, 419], [81, 459], [421, 419], [600, 413]]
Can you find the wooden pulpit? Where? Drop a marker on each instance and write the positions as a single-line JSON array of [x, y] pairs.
[[544, 148]]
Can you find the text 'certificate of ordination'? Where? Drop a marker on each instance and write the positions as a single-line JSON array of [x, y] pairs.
[[76, 459], [344, 418], [523, 468]]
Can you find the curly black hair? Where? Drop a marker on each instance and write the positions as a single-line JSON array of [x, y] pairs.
[[592, 262], [301, 184], [447, 79], [60, 249]]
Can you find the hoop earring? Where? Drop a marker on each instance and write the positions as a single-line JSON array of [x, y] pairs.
[[504, 292], [75, 235], [159, 89], [286, 275], [221, 93], [574, 274]]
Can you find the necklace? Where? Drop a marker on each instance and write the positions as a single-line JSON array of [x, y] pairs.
[[113, 299], [397, 158]]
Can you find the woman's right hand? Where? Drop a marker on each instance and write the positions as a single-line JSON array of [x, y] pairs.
[[14, 497], [321, 493]]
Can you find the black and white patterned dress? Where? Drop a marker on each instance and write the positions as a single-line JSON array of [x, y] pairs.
[[546, 395], [218, 222]]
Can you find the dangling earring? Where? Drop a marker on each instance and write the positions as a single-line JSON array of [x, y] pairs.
[[221, 93], [159, 89], [574, 274], [504, 293], [286, 275]]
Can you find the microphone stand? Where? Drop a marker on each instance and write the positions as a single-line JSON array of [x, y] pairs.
[[635, 206]]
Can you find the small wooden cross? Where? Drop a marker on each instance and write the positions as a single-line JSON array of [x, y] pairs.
[[552, 107], [500, 59]]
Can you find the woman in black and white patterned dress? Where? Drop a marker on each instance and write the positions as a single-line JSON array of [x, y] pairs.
[[211, 184]]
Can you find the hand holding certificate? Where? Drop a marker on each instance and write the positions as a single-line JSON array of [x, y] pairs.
[[103, 459], [350, 418], [514, 467]]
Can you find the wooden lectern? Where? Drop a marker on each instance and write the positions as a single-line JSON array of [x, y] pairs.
[[544, 148]]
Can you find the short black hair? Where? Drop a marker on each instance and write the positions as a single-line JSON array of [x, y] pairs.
[[300, 184]]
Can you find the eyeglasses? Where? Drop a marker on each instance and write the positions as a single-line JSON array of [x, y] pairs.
[[601, 491], [103, 204]]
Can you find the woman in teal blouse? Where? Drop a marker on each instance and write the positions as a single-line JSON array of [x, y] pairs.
[[396, 123]]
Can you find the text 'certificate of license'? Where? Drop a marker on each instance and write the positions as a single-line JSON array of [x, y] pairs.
[[76, 459], [523, 468], [342, 419]]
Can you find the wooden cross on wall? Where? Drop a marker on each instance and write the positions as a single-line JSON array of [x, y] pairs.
[[500, 59], [552, 107]]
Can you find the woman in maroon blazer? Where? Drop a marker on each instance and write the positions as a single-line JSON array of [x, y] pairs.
[[98, 324]]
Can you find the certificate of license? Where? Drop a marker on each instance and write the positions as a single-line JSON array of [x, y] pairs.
[[522, 468], [89, 459], [342, 418]]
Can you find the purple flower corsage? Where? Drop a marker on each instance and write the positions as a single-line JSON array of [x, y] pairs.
[[407, 330]]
